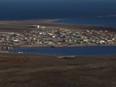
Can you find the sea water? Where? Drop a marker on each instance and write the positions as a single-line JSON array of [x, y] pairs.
[[101, 12], [69, 51]]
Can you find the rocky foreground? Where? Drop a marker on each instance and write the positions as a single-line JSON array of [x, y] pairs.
[[26, 70]]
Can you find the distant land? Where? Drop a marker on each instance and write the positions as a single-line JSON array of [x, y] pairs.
[[48, 33]]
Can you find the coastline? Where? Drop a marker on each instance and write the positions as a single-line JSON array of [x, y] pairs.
[[29, 46], [54, 23]]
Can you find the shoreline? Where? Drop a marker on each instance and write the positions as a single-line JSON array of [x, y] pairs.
[[54, 20], [57, 46], [53, 23]]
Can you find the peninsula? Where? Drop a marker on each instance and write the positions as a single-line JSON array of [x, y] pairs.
[[47, 33]]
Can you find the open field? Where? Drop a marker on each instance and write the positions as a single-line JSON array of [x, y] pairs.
[[26, 70]]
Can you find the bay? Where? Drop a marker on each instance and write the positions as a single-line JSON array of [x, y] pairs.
[[100, 12], [69, 51]]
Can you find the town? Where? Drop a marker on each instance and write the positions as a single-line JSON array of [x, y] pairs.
[[56, 36]]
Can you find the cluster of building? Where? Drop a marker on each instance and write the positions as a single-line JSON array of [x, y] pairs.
[[10, 39], [54, 36]]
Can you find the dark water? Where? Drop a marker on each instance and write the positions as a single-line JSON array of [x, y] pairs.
[[101, 12], [71, 11], [96, 20], [70, 51]]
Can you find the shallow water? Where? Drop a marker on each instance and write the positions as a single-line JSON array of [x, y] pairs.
[[70, 51]]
